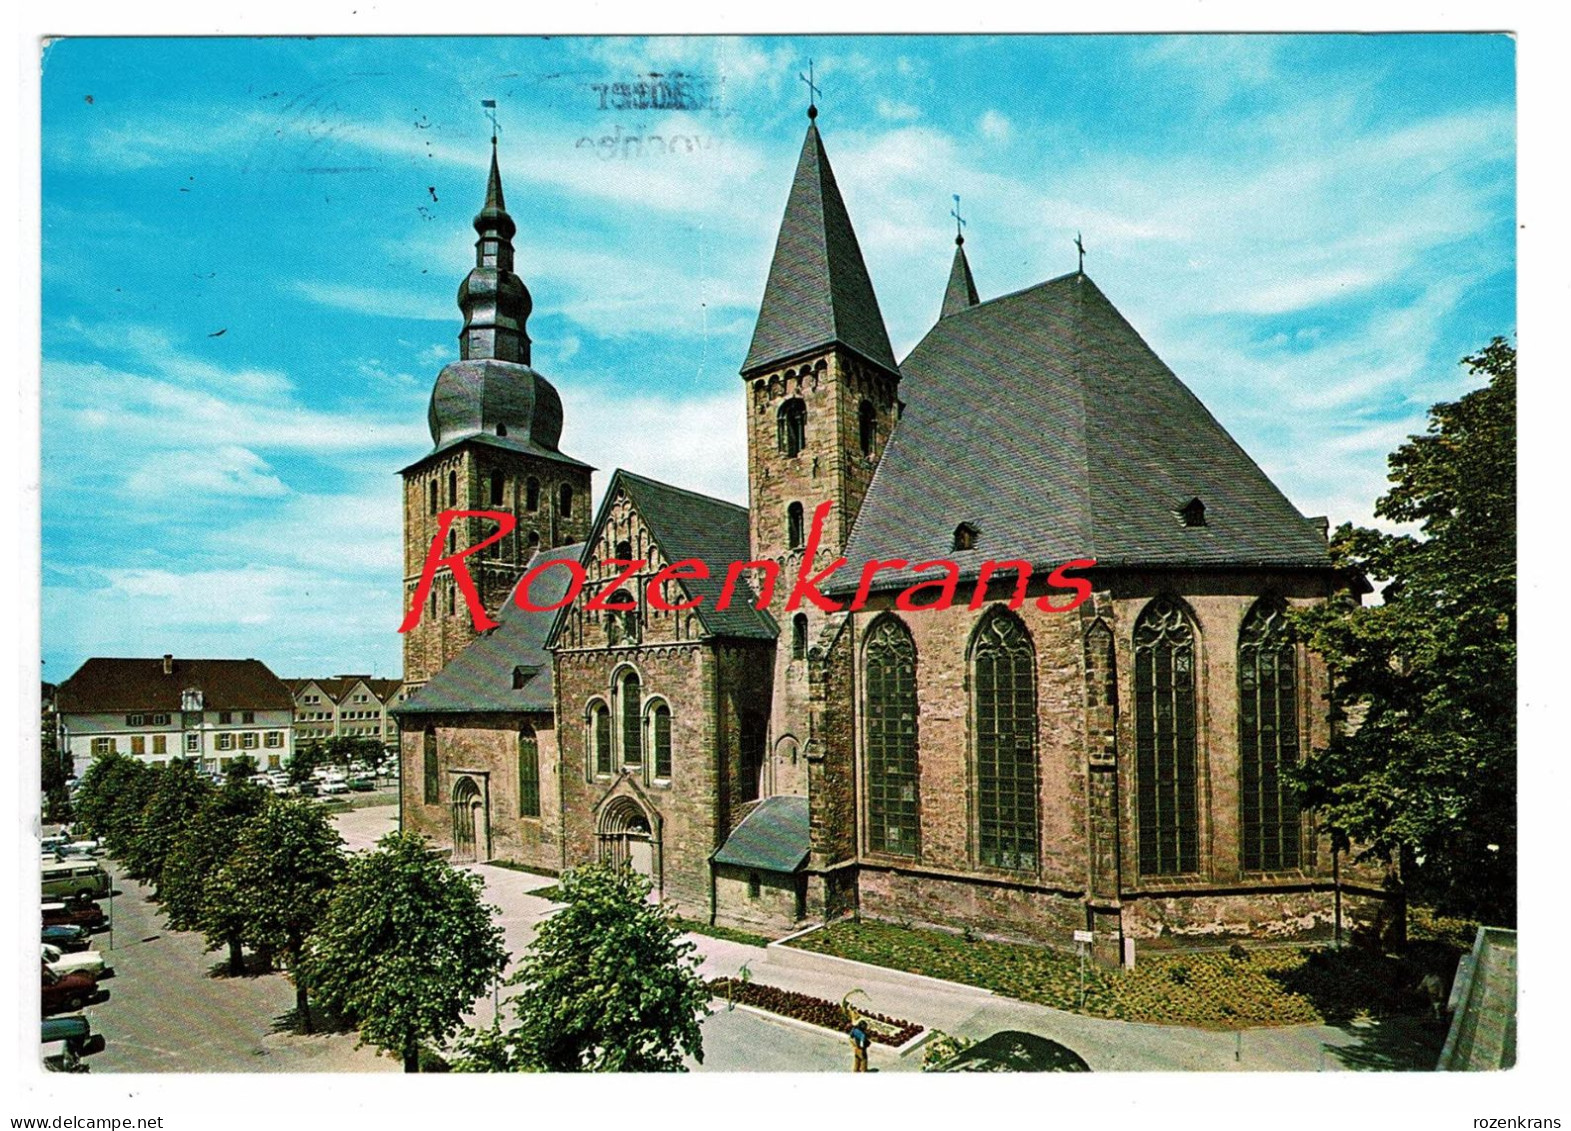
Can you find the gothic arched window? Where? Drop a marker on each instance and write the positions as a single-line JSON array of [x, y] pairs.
[[799, 636], [1268, 737], [430, 766], [497, 483], [1003, 663], [630, 702], [452, 488], [795, 539], [600, 736], [1165, 759], [867, 427], [660, 739], [791, 426], [531, 494], [528, 774], [892, 816], [565, 500]]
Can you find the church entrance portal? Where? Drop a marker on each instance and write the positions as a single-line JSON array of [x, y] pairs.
[[471, 830], [627, 839]]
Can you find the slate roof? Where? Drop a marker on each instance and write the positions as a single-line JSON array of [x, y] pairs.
[[106, 684], [772, 838], [1043, 419], [471, 398], [818, 291], [960, 293], [337, 686], [481, 677], [686, 525]]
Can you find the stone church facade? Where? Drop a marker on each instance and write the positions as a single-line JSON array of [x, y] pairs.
[[931, 742]]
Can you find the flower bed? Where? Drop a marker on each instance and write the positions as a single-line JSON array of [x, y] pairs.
[[814, 1010]]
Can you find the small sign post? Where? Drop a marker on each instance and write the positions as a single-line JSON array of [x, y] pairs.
[[1082, 940]]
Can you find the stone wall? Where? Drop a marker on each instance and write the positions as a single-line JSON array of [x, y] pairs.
[[770, 907], [487, 745]]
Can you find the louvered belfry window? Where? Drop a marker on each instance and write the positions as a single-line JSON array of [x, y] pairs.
[[1165, 761], [1003, 664], [892, 819], [1268, 737]]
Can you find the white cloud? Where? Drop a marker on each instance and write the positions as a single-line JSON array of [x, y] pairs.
[[225, 471], [995, 126], [893, 111]]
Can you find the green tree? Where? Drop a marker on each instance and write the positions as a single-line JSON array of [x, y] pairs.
[[405, 948], [609, 984], [279, 880], [109, 801], [178, 792], [192, 901], [1429, 771], [306, 758]]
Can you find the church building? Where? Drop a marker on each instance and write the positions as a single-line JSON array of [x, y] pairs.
[[929, 744]]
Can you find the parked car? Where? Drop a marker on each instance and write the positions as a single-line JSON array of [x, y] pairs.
[[84, 913], [361, 785], [74, 878], [65, 993], [89, 962], [339, 785], [66, 1040], [67, 937]]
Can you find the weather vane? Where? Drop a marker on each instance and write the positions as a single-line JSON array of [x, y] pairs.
[[489, 105], [959, 223], [812, 90], [1081, 248]]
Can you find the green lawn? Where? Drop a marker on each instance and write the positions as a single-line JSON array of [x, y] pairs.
[[1280, 986], [730, 934]]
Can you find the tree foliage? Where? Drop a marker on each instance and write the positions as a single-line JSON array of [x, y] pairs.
[[1427, 771], [608, 985], [178, 792], [191, 899], [278, 882], [109, 800], [405, 948]]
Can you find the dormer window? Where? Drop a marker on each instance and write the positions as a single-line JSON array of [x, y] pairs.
[[522, 674], [501, 430], [965, 537], [1192, 513]]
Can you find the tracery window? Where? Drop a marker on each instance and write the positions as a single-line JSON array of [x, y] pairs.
[[1268, 737], [1003, 663], [892, 812], [528, 774], [1165, 759], [791, 426]]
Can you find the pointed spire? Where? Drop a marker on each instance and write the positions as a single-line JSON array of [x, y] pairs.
[[960, 294], [495, 302], [818, 291]]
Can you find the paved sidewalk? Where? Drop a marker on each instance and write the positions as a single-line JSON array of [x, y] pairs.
[[742, 1040]]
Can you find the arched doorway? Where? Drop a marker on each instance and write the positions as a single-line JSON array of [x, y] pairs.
[[628, 838], [469, 825]]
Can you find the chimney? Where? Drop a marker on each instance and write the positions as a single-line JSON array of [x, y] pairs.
[[169, 664]]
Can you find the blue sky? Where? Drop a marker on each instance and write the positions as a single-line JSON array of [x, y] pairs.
[[1310, 230]]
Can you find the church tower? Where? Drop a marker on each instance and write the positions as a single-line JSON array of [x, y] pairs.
[[495, 424], [822, 399]]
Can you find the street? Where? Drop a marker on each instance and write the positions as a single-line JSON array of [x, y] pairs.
[[171, 1007]]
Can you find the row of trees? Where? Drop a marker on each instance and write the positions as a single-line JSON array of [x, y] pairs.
[[397, 941]]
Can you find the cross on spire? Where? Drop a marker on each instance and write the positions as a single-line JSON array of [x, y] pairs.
[[812, 90], [959, 222], [1081, 248], [489, 106]]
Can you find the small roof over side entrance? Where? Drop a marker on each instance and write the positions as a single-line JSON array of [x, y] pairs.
[[772, 838]]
